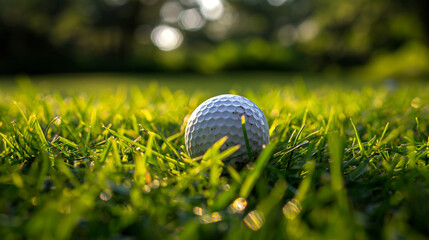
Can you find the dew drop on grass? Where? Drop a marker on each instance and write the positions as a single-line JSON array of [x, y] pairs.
[[254, 220], [216, 217], [250, 166], [416, 102], [106, 195], [146, 189], [211, 218], [58, 121], [164, 182], [226, 187], [154, 184], [92, 165], [198, 211], [206, 218], [238, 205], [292, 209]]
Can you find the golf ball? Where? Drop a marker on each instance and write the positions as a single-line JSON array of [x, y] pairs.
[[222, 116]]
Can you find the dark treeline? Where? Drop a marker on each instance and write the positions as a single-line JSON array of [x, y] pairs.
[[379, 37]]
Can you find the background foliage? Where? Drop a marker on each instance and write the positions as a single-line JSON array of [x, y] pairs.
[[379, 38]]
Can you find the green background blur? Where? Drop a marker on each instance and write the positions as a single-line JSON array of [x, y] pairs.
[[378, 39]]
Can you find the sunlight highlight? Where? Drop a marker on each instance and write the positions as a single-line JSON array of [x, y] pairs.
[[191, 20], [211, 9], [238, 205], [166, 38], [308, 30]]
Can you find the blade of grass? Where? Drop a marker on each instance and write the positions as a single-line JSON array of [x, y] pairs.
[[41, 134], [88, 136], [382, 135], [246, 140], [141, 160], [68, 142], [336, 151], [49, 125], [305, 185], [419, 131], [267, 204], [234, 174], [175, 162], [294, 144], [362, 149], [21, 112], [106, 150], [252, 177]]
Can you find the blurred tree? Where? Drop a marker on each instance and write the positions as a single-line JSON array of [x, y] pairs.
[[209, 35]]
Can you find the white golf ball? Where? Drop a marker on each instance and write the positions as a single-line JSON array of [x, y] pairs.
[[222, 116]]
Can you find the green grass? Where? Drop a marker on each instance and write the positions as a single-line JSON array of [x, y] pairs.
[[109, 163]]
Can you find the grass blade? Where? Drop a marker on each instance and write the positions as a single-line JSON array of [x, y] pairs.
[[175, 162], [246, 140], [252, 177], [362, 149]]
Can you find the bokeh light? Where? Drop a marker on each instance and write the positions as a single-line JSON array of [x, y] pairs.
[[291, 209], [106, 195], [166, 38], [146, 189], [220, 29], [191, 20], [287, 35], [308, 30], [238, 205], [197, 211], [416, 102], [211, 9], [277, 3], [211, 218], [332, 37], [254, 220], [216, 217], [170, 11]]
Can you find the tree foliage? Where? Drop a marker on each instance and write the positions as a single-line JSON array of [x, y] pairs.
[[306, 35]]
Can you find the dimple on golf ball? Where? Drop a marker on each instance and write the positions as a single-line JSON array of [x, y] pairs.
[[222, 116]]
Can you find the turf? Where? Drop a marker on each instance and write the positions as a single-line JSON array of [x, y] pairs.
[[109, 163]]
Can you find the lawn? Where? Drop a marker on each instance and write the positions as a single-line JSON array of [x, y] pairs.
[[85, 158]]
